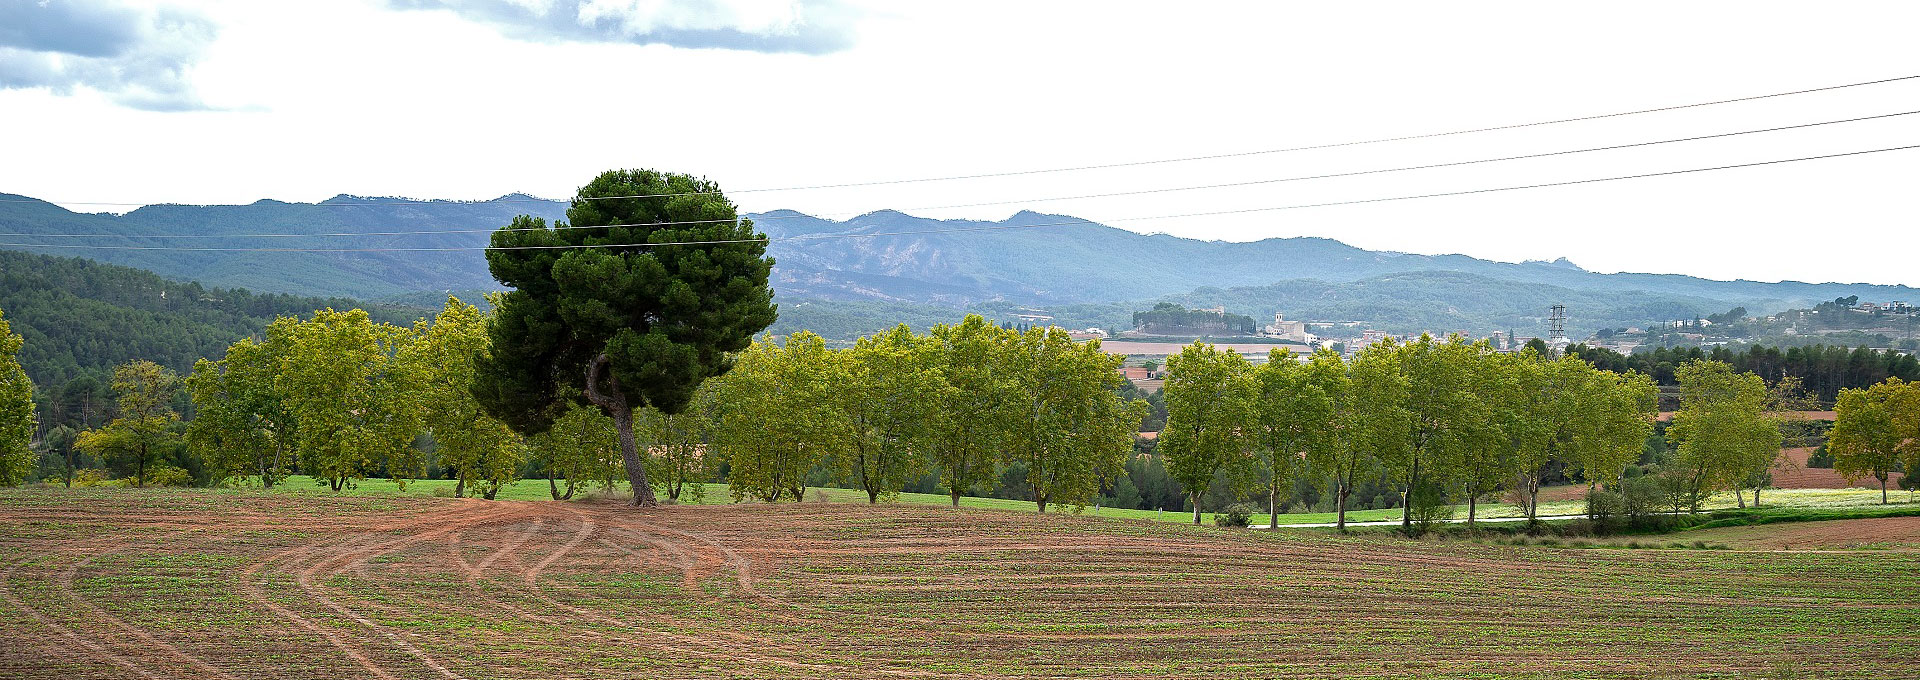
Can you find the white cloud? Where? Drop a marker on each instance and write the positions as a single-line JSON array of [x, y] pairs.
[[140, 57], [803, 26]]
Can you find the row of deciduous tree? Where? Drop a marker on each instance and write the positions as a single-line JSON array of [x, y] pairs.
[[966, 400], [1446, 417], [346, 397]]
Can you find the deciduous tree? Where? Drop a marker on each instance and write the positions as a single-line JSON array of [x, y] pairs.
[[1865, 441], [438, 371], [1722, 429], [1068, 424], [1344, 453], [777, 422], [1294, 420], [677, 444], [970, 413], [16, 410], [341, 383], [580, 448], [889, 389], [241, 422], [1209, 411], [145, 421]]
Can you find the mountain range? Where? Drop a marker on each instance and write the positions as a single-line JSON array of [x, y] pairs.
[[852, 276]]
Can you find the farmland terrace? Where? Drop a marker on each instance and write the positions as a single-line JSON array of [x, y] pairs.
[[101, 583]]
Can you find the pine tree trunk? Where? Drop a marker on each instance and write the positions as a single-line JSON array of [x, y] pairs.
[[615, 403]]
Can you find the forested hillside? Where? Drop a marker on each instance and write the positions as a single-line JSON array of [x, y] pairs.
[[848, 278], [84, 317], [407, 265]]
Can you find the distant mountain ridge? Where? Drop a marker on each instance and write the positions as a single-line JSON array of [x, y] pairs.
[[881, 257]]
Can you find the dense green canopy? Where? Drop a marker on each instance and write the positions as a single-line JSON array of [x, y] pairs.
[[598, 312]]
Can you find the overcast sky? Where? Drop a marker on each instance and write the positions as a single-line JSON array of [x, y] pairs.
[[231, 101]]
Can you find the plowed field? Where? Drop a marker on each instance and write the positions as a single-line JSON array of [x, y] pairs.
[[206, 585]]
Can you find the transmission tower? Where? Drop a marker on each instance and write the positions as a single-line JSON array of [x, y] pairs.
[[1557, 328]]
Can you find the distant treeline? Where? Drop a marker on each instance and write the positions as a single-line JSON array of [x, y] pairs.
[[1168, 317], [1823, 370]]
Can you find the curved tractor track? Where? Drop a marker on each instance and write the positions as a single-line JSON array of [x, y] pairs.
[[222, 585]]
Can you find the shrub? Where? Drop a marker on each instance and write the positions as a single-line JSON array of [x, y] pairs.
[[1237, 515], [1427, 507], [1640, 501], [93, 477], [1605, 509], [168, 475]]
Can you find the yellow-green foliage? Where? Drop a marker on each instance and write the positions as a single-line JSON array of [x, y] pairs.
[[16, 409]]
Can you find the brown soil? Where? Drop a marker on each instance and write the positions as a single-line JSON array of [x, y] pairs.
[[166, 584], [1893, 533], [1792, 473]]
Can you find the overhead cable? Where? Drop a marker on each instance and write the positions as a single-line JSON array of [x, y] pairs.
[[997, 227]]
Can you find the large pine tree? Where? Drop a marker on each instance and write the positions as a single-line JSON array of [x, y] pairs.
[[633, 301]]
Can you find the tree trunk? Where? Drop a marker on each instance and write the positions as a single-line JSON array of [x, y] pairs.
[[1196, 507], [1756, 497], [1883, 491], [460, 488], [1273, 508], [1042, 502], [873, 496], [1740, 497], [553, 489], [1406, 499], [140, 468], [955, 495], [1340, 505], [1533, 499], [615, 403], [1473, 503]]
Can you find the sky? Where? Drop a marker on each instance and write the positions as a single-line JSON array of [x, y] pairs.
[[107, 104]]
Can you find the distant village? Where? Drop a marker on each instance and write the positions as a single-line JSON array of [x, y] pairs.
[[1166, 328]]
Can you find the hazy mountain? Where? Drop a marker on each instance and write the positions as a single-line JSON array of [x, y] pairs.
[[1060, 258], [865, 269], [359, 274]]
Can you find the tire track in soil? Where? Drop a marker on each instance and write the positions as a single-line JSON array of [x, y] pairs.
[[742, 568], [66, 586], [250, 586], [702, 648], [95, 650]]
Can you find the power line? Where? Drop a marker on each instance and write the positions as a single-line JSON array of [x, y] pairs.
[[1103, 166], [972, 205], [1000, 227]]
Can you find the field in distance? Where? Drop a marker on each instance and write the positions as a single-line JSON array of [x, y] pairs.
[[99, 583]]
